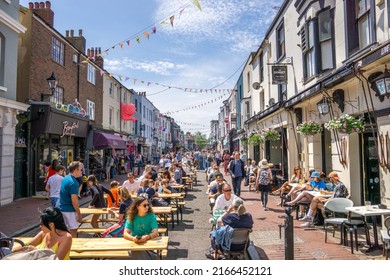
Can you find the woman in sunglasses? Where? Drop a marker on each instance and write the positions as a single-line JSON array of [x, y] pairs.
[[141, 224]]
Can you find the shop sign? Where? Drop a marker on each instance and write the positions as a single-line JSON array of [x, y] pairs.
[[279, 75], [67, 130]]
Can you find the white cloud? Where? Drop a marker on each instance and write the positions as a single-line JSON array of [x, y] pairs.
[[164, 68], [237, 24]]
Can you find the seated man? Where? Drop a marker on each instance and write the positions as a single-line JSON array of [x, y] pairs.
[[224, 203], [318, 202]]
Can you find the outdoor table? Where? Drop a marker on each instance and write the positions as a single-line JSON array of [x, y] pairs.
[[106, 247], [175, 197], [373, 212]]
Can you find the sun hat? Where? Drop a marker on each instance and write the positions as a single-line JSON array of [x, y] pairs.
[[333, 174], [315, 174], [237, 202], [263, 163], [270, 164]]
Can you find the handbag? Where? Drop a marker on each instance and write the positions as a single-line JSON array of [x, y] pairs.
[[116, 230]]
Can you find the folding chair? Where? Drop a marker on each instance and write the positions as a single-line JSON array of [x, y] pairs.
[[239, 245]]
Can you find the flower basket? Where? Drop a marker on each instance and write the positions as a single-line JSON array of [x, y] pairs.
[[271, 134], [255, 139], [244, 139], [346, 124], [309, 128]]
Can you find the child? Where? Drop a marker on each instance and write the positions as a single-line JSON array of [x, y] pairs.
[[114, 190]]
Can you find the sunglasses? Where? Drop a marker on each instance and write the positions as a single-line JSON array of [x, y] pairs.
[[146, 205], [227, 190]]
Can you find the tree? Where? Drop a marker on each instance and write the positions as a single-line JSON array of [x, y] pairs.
[[200, 140]]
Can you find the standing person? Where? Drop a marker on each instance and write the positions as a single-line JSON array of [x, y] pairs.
[[132, 161], [53, 185], [244, 157], [138, 163], [218, 158], [69, 202], [237, 172], [51, 170], [109, 164], [226, 159], [263, 182], [54, 235], [80, 178], [98, 201]]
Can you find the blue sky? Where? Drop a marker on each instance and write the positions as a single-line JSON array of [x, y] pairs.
[[202, 49]]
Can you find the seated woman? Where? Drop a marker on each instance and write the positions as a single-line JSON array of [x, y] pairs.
[[296, 178], [316, 184], [167, 175], [141, 224], [54, 235], [238, 218], [163, 188]]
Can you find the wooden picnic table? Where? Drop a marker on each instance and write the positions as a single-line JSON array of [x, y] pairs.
[[83, 248]]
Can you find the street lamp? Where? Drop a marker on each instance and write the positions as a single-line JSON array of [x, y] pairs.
[[323, 107], [52, 83], [381, 84]]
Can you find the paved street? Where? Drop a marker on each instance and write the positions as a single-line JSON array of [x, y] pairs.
[[190, 239]]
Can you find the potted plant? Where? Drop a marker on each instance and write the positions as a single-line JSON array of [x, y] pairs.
[[255, 139], [346, 124], [309, 128], [271, 134]]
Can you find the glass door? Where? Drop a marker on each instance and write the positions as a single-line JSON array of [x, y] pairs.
[[371, 170]]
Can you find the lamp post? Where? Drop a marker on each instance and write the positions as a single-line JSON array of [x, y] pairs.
[[52, 83], [381, 84]]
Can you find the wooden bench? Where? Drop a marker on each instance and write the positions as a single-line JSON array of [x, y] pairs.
[[109, 220], [101, 230]]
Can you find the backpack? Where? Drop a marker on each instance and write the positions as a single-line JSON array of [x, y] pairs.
[[116, 230], [264, 177]]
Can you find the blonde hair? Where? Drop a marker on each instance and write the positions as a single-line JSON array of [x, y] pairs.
[[124, 193]]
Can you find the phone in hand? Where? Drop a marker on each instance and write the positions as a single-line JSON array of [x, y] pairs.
[[138, 237]]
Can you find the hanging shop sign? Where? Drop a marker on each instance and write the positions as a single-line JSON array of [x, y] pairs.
[[279, 75]]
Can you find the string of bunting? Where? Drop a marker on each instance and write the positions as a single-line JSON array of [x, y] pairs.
[[146, 32], [122, 78], [192, 124], [196, 106]]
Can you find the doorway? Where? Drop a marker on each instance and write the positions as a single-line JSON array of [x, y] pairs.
[[371, 186]]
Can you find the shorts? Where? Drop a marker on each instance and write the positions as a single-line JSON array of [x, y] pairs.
[[265, 188], [70, 219]]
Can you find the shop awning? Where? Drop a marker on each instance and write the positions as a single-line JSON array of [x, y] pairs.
[[102, 140]]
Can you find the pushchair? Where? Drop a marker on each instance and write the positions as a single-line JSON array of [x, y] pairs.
[[6, 245]]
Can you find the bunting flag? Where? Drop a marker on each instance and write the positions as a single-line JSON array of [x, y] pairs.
[[171, 19], [193, 107], [127, 111], [197, 4], [154, 29]]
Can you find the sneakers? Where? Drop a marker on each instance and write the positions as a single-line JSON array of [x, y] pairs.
[[308, 225], [305, 219]]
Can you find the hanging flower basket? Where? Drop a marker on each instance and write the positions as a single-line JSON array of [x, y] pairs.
[[346, 124], [255, 139], [244, 139], [309, 128], [271, 134]]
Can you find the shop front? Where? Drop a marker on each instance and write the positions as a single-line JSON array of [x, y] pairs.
[[54, 134]]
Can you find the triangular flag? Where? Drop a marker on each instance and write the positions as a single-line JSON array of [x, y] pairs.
[[101, 72], [106, 51], [121, 44], [134, 80], [146, 34], [163, 22], [171, 19], [196, 3], [113, 47], [127, 79], [128, 42], [149, 83], [154, 29], [120, 78], [181, 11], [138, 39]]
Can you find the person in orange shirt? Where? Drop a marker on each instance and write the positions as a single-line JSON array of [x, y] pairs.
[[114, 190]]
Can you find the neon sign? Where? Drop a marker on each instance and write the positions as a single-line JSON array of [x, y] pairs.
[[73, 108], [68, 129]]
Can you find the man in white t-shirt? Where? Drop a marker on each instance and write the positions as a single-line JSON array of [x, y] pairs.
[[131, 184], [225, 201], [53, 185]]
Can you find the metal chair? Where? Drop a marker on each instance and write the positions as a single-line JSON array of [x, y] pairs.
[[385, 234], [336, 206], [239, 245]]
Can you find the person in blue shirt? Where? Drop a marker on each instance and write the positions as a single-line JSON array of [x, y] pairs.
[[317, 184]]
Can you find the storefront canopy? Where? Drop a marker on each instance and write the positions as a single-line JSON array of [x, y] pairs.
[[102, 140]]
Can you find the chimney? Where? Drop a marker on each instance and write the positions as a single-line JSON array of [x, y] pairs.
[[92, 52], [67, 33], [78, 41], [99, 59], [43, 10], [89, 53]]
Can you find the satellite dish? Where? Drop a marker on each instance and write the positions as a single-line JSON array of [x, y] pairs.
[[271, 102], [256, 85]]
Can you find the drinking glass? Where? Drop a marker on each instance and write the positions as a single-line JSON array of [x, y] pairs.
[[368, 205]]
